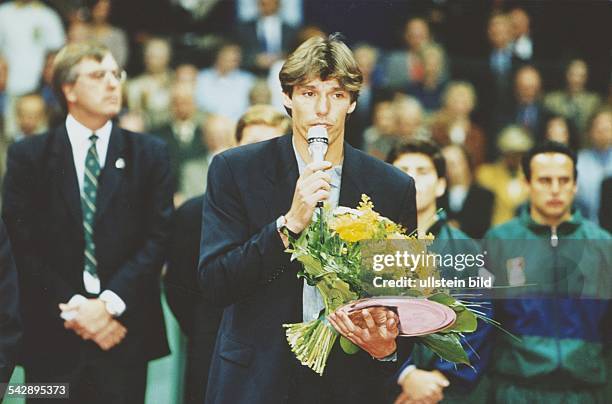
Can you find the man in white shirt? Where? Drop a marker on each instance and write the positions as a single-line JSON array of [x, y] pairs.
[[87, 207]]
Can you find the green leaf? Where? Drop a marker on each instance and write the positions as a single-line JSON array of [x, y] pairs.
[[466, 322], [443, 298], [348, 347], [447, 346]]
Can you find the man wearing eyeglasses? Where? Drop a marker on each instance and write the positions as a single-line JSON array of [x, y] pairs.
[[87, 207]]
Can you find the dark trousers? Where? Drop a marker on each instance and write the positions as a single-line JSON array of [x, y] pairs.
[[96, 380]]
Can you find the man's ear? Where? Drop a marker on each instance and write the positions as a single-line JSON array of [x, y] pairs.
[[69, 94], [287, 101], [352, 107], [440, 187]]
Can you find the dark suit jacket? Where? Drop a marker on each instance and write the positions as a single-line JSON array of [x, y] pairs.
[[198, 319], [42, 211], [243, 267], [251, 46], [10, 321]]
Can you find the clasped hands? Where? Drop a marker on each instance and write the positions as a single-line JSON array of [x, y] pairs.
[[93, 322]]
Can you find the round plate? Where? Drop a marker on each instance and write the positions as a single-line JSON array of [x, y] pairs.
[[417, 316]]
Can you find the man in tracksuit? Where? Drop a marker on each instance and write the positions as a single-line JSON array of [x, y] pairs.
[[555, 267], [425, 378]]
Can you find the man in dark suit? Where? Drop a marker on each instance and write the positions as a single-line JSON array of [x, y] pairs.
[[87, 207], [10, 322], [258, 193], [265, 39]]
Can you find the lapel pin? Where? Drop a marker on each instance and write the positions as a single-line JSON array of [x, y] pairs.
[[120, 163]]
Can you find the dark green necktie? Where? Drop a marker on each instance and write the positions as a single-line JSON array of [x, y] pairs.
[[88, 204]]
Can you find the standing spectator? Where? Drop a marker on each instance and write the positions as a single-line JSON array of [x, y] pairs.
[[223, 89], [102, 31], [429, 90], [522, 44], [595, 164], [381, 137], [454, 125], [266, 39], [218, 135], [31, 113], [182, 133], [28, 30], [575, 102], [559, 268], [529, 111], [87, 207], [469, 206], [10, 319], [504, 177], [150, 92], [199, 320], [403, 68]]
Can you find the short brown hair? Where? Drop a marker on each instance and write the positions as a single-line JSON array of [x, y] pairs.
[[262, 115], [68, 58], [324, 58]]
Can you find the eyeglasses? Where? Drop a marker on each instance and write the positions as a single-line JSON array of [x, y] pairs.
[[100, 75]]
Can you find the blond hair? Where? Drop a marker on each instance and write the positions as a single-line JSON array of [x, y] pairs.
[[262, 115], [323, 58]]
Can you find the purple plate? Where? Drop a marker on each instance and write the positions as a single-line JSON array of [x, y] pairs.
[[417, 316]]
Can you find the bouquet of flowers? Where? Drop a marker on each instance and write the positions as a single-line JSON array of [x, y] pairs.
[[333, 256]]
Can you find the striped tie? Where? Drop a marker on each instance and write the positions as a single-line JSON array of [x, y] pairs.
[[88, 204]]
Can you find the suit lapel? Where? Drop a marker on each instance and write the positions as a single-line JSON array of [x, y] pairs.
[[66, 172], [282, 174], [353, 179], [112, 173]]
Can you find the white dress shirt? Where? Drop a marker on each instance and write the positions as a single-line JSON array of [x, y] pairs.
[[78, 135]]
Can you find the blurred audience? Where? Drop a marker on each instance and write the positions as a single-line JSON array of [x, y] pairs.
[[265, 39], [381, 137], [31, 113], [504, 177], [223, 88], [560, 129], [522, 44], [182, 133], [409, 116], [150, 92], [102, 31], [529, 110], [595, 164], [453, 123], [468, 206], [575, 102], [429, 91]]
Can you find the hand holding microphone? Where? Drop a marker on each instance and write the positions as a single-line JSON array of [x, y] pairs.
[[313, 186]]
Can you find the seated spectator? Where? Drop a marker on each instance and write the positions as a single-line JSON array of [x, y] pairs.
[[223, 89], [55, 111], [102, 31], [266, 39], [150, 92], [575, 102], [406, 67], [182, 133], [200, 321], [468, 206], [186, 73], [31, 113], [595, 164], [529, 110], [260, 93], [522, 44], [218, 135], [453, 124], [562, 130], [409, 118], [504, 177], [133, 121], [381, 137], [429, 91]]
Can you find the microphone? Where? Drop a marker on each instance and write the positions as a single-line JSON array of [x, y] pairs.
[[317, 146], [317, 143]]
